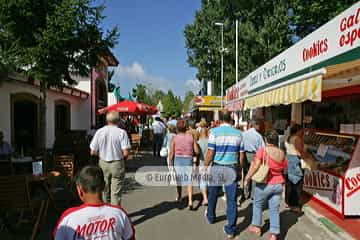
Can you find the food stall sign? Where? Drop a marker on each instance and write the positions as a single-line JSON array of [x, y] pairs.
[[352, 185], [324, 187], [237, 92], [211, 101], [335, 42]]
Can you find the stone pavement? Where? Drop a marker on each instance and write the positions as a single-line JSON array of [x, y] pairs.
[[156, 215]]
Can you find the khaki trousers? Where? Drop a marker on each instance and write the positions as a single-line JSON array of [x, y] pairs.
[[114, 174]]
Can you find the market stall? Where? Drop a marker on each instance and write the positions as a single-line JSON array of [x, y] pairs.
[[207, 107], [319, 77]]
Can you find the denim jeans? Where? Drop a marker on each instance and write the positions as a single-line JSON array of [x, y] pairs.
[[183, 170], [231, 205], [271, 193]]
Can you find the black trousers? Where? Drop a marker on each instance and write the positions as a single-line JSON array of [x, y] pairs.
[[293, 193], [157, 144], [250, 189]]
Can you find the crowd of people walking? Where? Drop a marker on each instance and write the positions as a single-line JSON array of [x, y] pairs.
[[263, 170], [196, 148]]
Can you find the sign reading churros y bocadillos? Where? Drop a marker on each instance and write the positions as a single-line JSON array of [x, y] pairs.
[[323, 47]]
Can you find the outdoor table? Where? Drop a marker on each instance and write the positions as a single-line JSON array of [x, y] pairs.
[[22, 165], [22, 160], [42, 180]]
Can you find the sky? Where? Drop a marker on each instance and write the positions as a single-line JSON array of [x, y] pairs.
[[151, 48]]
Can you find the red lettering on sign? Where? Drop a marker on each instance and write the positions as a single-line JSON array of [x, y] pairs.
[[343, 24], [349, 24], [327, 181], [316, 49], [317, 180], [352, 184]]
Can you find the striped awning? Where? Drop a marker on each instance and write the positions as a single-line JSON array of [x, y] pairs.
[[309, 89]]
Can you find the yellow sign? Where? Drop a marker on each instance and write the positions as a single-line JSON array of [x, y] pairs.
[[210, 101]]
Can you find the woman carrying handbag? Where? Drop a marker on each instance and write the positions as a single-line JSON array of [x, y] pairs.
[[267, 171]]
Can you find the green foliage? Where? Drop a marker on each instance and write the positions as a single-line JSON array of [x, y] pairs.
[[172, 104], [308, 15], [266, 28], [189, 96], [111, 86], [141, 94], [53, 40]]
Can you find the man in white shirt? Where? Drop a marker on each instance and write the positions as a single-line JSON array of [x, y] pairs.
[[94, 219], [158, 129], [112, 146]]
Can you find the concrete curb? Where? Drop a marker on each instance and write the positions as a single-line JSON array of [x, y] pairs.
[[335, 232]]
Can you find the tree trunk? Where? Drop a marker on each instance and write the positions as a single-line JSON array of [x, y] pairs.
[[42, 137]]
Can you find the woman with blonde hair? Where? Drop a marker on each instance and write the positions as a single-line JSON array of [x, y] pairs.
[[203, 144], [171, 132]]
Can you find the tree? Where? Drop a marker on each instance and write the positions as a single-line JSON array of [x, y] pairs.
[[52, 41], [140, 92], [308, 15], [189, 96], [266, 28], [172, 105], [111, 86], [157, 96], [264, 33]]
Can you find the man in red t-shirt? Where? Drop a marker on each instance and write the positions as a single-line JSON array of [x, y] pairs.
[[94, 219]]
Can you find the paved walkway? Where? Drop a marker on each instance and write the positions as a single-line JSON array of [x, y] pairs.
[[156, 216]]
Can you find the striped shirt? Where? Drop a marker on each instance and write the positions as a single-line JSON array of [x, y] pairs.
[[226, 141]]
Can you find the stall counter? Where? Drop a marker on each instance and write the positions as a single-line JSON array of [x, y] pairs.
[[335, 184]]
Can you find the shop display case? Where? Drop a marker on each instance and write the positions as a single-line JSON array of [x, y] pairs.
[[336, 181]]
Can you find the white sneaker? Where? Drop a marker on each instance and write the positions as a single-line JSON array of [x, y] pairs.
[[229, 236]]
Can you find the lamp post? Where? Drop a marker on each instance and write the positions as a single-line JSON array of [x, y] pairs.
[[222, 60]]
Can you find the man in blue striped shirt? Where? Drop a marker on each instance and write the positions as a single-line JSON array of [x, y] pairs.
[[225, 150]]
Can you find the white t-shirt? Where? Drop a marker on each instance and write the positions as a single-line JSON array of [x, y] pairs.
[[90, 222], [109, 141], [158, 127]]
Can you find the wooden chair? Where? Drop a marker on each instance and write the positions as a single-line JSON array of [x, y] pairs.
[[135, 143], [6, 168], [15, 195], [65, 165]]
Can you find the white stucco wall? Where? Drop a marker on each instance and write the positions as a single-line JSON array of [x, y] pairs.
[[111, 99], [83, 83], [80, 109]]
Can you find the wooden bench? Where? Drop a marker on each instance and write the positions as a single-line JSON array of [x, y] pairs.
[[135, 143], [15, 195]]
